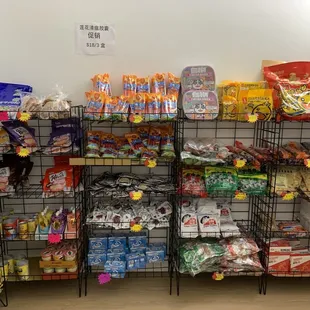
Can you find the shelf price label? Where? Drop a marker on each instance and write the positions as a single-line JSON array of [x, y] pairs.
[[251, 118], [136, 195], [240, 195], [135, 118], [23, 116], [136, 228], [22, 151], [218, 276], [307, 163], [289, 196], [239, 163], [150, 163]]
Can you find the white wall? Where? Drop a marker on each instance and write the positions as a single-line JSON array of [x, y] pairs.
[[37, 38]]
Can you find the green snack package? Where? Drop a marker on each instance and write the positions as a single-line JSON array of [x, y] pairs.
[[253, 183]]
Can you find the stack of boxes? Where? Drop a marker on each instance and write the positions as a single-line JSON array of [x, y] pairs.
[[121, 253]]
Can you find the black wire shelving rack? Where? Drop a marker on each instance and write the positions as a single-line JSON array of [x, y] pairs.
[[28, 199], [165, 168]]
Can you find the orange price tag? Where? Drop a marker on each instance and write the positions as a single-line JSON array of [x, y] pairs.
[[23, 116], [136, 195], [240, 195], [135, 118], [307, 163], [150, 163], [239, 163], [251, 118]]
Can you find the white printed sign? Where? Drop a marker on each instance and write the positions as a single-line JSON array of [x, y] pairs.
[[94, 39]]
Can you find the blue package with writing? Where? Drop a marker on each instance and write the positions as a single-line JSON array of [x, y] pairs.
[[138, 250], [96, 251], [155, 256], [116, 269], [157, 246], [97, 259], [116, 255], [135, 261], [137, 241], [117, 242], [98, 243]]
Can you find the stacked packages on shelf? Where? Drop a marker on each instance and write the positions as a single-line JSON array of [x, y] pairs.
[[124, 252], [59, 258], [150, 99], [230, 255], [145, 142], [15, 267], [125, 185], [207, 218], [120, 214], [37, 227]]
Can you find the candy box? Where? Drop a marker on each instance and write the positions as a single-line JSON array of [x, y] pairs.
[[97, 259], [135, 261], [157, 246], [138, 250], [137, 241], [280, 246], [116, 269], [279, 262], [300, 262], [155, 256], [97, 252], [116, 255], [118, 242], [98, 243]]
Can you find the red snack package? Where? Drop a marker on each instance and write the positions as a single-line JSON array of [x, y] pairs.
[[297, 150], [266, 152], [291, 82], [250, 150], [135, 142], [193, 183], [241, 154]]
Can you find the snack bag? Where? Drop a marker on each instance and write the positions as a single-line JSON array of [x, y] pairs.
[[4, 141], [121, 107], [297, 150], [108, 108], [95, 104], [246, 86], [169, 108], [93, 144], [143, 85], [291, 84], [252, 183], [221, 179], [129, 85], [57, 179], [137, 105], [159, 84], [101, 83], [173, 86], [200, 105], [193, 182], [153, 107], [258, 102], [251, 151], [108, 145], [135, 142], [154, 139], [229, 108], [143, 131], [248, 158], [198, 78], [288, 179]]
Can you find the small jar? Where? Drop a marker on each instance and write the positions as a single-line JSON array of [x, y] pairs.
[[48, 270], [46, 255], [73, 269], [58, 255], [70, 255], [60, 270]]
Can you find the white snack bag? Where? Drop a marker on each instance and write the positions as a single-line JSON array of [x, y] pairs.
[[189, 225], [209, 224]]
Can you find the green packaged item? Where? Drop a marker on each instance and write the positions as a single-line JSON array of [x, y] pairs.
[[253, 183], [221, 180]]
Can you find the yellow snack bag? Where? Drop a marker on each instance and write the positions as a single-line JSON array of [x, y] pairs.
[[257, 101], [252, 85], [228, 91], [229, 108]]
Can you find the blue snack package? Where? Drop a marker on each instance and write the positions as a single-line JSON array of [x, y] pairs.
[[117, 242], [97, 252], [98, 243], [10, 99], [157, 246], [137, 241], [135, 261], [155, 256], [97, 259], [116, 269], [116, 255], [138, 250]]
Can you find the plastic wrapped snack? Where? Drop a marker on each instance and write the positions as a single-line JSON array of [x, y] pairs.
[[129, 85], [30, 103], [243, 263], [193, 182], [287, 180], [260, 157], [221, 179], [248, 158], [299, 151], [120, 108], [101, 83], [238, 247], [159, 84], [143, 85], [137, 104], [200, 256], [95, 105], [168, 109], [253, 183], [291, 84], [93, 144], [173, 86], [153, 107]]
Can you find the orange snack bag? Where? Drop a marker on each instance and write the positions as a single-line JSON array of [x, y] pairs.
[[137, 104], [95, 104], [173, 86], [135, 142], [153, 105], [154, 139], [101, 83], [143, 85], [129, 85], [159, 84]]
